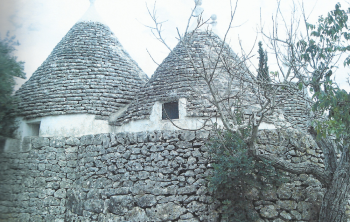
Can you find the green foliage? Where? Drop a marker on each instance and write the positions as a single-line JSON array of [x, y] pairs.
[[333, 30], [263, 71], [329, 37], [337, 103], [236, 174], [9, 67]]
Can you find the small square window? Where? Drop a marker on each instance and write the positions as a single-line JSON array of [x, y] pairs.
[[33, 129], [170, 110]]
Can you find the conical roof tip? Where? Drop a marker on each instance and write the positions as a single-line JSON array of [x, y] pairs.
[[88, 72], [176, 78], [91, 15]]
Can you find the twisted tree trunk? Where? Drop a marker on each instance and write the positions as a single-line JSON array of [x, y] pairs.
[[334, 203], [335, 177]]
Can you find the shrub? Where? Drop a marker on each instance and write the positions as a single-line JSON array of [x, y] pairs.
[[236, 174]]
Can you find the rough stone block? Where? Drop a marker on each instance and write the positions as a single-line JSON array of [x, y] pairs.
[[61, 193], [170, 135], [38, 142], [202, 135], [105, 140], [168, 211], [142, 137], [187, 190], [132, 138], [26, 144], [120, 204], [188, 135], [136, 214], [269, 194], [287, 204], [269, 211], [146, 200], [97, 139], [285, 191], [121, 137], [57, 142], [51, 201], [73, 141], [87, 140], [94, 205], [184, 144], [152, 137], [74, 202], [113, 140]]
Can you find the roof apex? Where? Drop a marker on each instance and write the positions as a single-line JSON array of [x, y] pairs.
[[91, 15], [88, 72]]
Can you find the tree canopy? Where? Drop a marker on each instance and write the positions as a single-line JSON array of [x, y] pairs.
[[9, 68], [329, 37]]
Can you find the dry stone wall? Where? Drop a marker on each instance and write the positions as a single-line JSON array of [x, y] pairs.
[[147, 176], [295, 106], [157, 176], [300, 197]]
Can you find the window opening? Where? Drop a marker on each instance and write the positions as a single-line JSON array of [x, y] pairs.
[[170, 110], [33, 129]]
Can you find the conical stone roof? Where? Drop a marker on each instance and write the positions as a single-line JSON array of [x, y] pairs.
[[88, 72], [176, 78]]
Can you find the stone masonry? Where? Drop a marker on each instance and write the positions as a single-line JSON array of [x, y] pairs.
[[147, 176], [176, 77], [88, 72]]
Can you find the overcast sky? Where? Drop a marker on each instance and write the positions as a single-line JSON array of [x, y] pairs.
[[40, 24]]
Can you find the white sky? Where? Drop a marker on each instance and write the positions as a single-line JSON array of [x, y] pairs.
[[40, 24]]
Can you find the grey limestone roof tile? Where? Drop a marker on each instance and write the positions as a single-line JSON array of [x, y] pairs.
[[176, 77], [89, 64]]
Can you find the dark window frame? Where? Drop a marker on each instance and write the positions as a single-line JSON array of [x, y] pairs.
[[170, 110]]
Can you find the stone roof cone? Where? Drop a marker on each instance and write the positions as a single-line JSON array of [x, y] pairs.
[[88, 72], [176, 78]]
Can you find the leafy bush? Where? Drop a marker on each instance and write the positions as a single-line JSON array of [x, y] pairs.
[[236, 174]]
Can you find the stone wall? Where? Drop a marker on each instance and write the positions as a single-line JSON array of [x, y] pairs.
[[295, 106], [149, 176], [300, 197], [34, 183], [156, 176]]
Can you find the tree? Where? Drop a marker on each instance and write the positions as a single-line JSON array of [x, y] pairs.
[[329, 37], [306, 60], [9, 68], [311, 59], [263, 71]]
